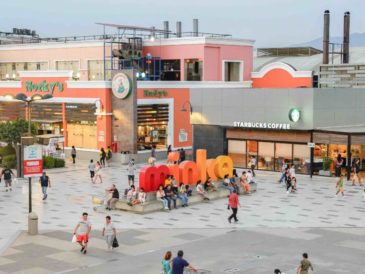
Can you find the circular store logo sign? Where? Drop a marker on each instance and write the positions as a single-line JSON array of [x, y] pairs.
[[121, 85], [294, 115]]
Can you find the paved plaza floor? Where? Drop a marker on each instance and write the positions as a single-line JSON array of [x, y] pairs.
[[273, 229]]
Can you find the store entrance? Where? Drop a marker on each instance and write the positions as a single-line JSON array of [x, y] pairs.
[[152, 126]]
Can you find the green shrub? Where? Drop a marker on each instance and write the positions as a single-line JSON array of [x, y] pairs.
[[59, 162], [48, 162], [327, 163], [7, 150], [9, 161]]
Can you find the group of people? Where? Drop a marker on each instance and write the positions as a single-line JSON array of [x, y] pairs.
[[168, 193], [289, 176], [83, 229], [175, 265]]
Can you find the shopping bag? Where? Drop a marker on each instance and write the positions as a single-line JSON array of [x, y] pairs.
[[115, 243], [74, 239]]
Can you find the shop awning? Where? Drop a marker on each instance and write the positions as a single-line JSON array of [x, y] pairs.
[[60, 100], [349, 129]]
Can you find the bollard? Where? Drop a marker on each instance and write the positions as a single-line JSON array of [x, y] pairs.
[[33, 223]]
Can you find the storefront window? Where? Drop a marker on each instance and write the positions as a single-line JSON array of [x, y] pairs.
[[237, 151], [193, 70], [266, 156], [282, 152], [301, 159], [251, 151], [152, 126]]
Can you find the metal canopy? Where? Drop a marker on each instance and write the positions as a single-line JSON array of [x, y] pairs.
[[133, 28]]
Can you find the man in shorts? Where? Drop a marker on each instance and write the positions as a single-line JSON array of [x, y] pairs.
[[7, 173], [82, 231], [92, 170]]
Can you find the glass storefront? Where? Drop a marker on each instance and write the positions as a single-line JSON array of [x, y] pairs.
[[152, 126], [270, 155]]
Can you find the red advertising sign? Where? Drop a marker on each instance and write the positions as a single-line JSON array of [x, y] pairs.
[[32, 164]]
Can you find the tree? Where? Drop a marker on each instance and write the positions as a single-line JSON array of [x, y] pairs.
[[12, 131]]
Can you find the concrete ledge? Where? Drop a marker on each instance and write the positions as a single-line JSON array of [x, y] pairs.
[[152, 205]]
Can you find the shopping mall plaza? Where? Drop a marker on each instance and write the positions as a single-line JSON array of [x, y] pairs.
[[132, 88]]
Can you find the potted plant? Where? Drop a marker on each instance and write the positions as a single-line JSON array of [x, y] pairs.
[[326, 167]]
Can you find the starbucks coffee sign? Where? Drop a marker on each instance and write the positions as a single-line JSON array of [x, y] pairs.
[[265, 125], [121, 85]]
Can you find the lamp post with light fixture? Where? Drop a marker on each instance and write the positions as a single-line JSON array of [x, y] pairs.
[[28, 100], [184, 109]]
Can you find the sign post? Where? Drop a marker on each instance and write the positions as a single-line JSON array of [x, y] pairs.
[[32, 166]]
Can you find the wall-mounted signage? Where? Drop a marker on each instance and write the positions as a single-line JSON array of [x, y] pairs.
[[183, 135], [44, 86], [294, 115], [155, 93], [265, 125], [121, 85]]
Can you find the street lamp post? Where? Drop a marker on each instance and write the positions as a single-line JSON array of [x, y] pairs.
[[28, 100]]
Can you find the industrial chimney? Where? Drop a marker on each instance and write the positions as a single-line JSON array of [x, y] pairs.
[[178, 29], [346, 38], [195, 27], [166, 29], [326, 36]]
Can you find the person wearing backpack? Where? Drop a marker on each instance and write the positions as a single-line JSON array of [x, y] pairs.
[[7, 173], [45, 184]]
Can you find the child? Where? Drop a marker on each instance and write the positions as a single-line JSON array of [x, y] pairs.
[[339, 186]]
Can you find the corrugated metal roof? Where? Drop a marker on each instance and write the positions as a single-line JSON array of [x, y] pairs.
[[357, 56]]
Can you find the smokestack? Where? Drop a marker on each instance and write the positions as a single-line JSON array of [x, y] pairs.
[[346, 38], [195, 27], [166, 29], [178, 29], [326, 36]]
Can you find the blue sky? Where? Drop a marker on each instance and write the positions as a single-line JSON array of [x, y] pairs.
[[269, 22]]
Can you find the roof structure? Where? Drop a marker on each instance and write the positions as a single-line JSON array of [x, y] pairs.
[[309, 63]]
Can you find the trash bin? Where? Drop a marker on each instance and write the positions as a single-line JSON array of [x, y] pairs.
[[125, 157], [33, 223]]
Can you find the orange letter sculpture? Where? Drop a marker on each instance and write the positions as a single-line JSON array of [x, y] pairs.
[[150, 177], [201, 161], [211, 169], [224, 165], [189, 173]]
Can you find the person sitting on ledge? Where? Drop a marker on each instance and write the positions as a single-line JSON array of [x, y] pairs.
[[114, 197], [189, 191], [161, 196], [227, 184], [245, 185], [209, 185], [168, 180], [201, 191], [141, 198], [170, 196], [182, 195], [131, 195]]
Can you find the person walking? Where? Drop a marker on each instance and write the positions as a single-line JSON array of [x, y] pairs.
[[97, 173], [339, 163], [102, 157], [92, 170], [166, 263], [234, 203], [7, 173], [178, 264], [304, 265], [109, 155], [73, 154], [45, 184], [109, 232], [131, 171], [253, 165], [283, 170], [182, 155], [356, 172], [82, 231], [339, 185]]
